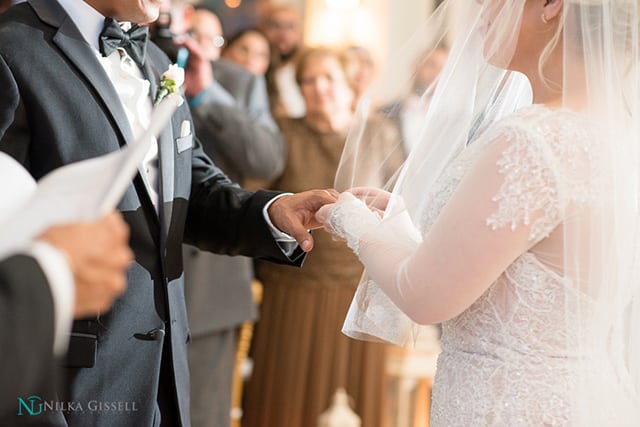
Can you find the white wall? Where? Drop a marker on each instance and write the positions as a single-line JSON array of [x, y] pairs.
[[380, 25], [405, 17]]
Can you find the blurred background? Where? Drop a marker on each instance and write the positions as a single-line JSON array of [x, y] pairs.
[[292, 362], [380, 26]]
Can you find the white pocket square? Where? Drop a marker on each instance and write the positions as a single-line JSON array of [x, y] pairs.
[[184, 143], [186, 139]]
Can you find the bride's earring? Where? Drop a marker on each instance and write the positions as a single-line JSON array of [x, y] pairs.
[[544, 18]]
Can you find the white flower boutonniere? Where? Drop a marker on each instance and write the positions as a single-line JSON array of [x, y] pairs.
[[170, 83]]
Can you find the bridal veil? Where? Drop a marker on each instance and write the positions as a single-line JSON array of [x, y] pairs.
[[599, 258]]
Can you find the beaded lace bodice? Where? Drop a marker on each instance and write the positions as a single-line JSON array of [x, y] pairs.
[[504, 359]]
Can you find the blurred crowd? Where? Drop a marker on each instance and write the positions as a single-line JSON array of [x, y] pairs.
[[274, 113]]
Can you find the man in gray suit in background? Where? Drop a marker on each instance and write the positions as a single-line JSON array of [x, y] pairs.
[[231, 115], [218, 294]]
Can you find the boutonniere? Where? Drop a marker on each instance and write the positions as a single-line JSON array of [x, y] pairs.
[[170, 83]]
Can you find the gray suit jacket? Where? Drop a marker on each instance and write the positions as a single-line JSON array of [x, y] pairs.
[[237, 131], [58, 106]]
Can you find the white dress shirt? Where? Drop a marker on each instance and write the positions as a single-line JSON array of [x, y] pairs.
[[56, 269]]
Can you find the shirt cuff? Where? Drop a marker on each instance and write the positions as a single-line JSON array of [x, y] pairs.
[[56, 268], [287, 243]]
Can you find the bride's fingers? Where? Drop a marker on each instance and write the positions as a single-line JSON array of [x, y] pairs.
[[379, 212], [332, 192], [323, 213], [372, 197]]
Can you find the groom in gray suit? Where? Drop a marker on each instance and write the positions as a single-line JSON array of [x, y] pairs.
[[75, 86]]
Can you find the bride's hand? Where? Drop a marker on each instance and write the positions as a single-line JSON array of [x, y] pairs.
[[348, 218], [376, 199], [322, 216]]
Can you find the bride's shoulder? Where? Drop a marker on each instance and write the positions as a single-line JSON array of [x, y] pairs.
[[540, 122], [544, 158], [559, 133]]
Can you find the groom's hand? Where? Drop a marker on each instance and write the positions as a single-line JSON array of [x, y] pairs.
[[295, 214]]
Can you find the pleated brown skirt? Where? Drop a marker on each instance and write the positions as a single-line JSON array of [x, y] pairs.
[[301, 357]]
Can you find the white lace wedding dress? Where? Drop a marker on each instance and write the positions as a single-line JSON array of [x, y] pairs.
[[503, 358], [510, 357], [508, 360]]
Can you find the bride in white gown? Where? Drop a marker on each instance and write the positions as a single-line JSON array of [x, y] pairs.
[[516, 228]]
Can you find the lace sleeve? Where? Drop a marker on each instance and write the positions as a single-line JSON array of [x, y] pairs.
[[543, 169], [530, 185]]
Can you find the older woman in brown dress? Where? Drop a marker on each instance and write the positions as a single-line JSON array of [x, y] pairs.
[[300, 355]]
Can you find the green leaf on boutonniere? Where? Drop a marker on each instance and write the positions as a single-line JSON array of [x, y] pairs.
[[170, 82]]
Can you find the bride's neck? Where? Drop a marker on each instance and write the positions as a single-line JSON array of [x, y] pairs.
[[553, 98], [553, 91], [548, 93]]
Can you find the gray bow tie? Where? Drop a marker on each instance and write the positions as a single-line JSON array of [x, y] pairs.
[[134, 41]]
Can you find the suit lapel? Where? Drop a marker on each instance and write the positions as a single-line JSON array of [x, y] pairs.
[[165, 153], [74, 46], [166, 176]]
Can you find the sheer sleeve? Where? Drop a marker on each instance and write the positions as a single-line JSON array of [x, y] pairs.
[[507, 201]]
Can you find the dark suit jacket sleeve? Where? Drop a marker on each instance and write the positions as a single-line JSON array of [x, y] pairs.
[[224, 218], [14, 130], [26, 333], [244, 139]]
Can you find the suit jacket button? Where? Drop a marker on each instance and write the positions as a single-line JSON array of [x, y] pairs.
[[154, 334]]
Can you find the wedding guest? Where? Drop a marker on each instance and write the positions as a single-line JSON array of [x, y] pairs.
[[282, 24], [205, 27], [361, 69], [249, 48], [300, 357], [408, 113], [89, 84]]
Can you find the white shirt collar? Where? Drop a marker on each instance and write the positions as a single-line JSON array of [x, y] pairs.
[[88, 20]]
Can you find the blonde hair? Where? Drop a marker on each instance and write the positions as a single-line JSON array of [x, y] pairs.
[[548, 50]]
